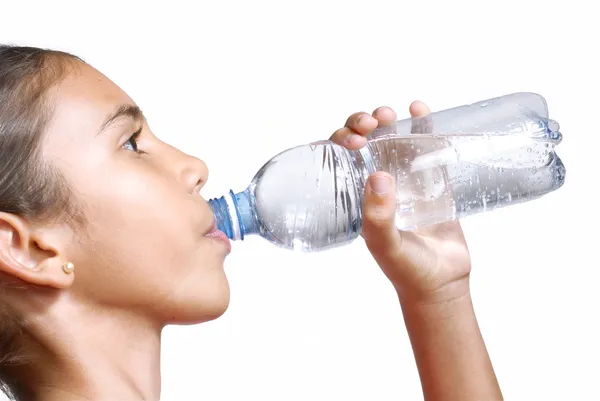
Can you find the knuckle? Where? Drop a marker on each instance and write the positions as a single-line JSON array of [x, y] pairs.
[[339, 135], [354, 118]]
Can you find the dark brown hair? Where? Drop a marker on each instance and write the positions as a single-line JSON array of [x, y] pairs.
[[30, 186]]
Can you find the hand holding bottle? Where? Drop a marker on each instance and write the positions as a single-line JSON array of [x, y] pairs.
[[430, 264], [429, 268]]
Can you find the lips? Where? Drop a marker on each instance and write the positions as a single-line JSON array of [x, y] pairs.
[[219, 236]]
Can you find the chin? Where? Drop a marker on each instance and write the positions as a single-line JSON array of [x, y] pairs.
[[202, 303], [212, 309]]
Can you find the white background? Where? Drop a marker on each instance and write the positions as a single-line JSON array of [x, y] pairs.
[[234, 82]]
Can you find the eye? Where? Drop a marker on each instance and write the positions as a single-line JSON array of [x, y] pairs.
[[131, 143]]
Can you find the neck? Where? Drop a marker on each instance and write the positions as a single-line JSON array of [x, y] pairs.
[[93, 353]]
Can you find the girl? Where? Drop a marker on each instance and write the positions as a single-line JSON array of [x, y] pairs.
[[105, 240]]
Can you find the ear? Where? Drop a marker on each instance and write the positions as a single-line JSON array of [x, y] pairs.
[[32, 255]]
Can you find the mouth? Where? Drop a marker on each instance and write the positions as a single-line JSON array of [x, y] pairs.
[[219, 236]]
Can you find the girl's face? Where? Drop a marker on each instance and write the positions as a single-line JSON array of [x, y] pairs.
[[145, 246]]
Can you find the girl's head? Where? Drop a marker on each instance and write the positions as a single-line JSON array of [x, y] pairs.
[[84, 180]]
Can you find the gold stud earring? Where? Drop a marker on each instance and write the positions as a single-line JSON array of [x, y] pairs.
[[68, 268]]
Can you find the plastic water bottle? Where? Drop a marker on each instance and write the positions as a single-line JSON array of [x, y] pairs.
[[447, 165]]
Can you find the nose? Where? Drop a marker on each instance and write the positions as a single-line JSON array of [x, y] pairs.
[[190, 171], [194, 175]]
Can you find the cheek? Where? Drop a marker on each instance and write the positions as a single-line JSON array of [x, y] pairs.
[[147, 250]]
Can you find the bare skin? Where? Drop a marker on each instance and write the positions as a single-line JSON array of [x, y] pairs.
[[429, 269], [144, 260]]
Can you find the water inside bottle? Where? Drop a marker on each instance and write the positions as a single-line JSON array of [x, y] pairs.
[[444, 177], [310, 197]]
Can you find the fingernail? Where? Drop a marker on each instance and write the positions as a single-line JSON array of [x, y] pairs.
[[380, 185]]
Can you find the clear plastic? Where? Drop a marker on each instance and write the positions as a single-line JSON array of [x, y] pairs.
[[447, 165]]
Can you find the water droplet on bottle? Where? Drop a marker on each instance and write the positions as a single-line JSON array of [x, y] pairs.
[[529, 150]]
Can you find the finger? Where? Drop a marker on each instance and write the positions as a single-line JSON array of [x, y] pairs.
[[418, 109], [384, 116], [362, 123], [348, 138], [379, 228], [421, 122]]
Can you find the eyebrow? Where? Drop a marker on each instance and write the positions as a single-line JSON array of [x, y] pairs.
[[123, 110]]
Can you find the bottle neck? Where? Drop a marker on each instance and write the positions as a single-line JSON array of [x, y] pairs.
[[235, 214]]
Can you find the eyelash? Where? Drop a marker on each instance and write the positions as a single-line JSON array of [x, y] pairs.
[[133, 140]]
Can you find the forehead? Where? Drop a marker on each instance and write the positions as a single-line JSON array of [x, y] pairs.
[[86, 87], [81, 103]]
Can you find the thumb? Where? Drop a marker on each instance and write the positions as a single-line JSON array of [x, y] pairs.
[[379, 225]]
